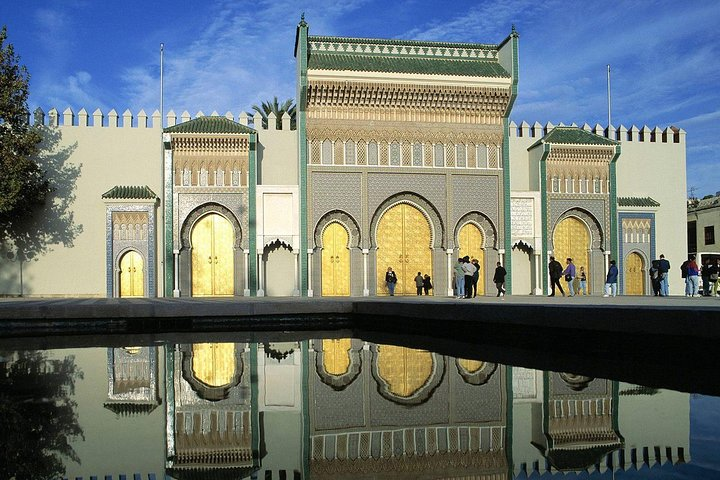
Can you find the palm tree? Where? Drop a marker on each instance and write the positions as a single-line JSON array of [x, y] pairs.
[[278, 109]]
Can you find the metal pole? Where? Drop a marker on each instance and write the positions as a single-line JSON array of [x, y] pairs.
[[162, 256], [608, 96]]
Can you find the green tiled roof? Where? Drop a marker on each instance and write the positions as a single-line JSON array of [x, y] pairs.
[[209, 125], [637, 202], [401, 64], [573, 136], [123, 192]]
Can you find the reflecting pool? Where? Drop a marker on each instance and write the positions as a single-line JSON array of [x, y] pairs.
[[335, 408]]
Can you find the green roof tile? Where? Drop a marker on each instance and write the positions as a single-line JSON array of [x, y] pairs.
[[209, 125], [637, 202], [573, 136], [402, 64], [124, 192]]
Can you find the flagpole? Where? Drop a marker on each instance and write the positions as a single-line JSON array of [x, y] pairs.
[[608, 96], [162, 256]]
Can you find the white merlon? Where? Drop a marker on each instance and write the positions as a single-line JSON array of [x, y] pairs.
[[199, 114], [156, 119], [68, 117], [229, 115], [141, 119], [97, 118], [272, 122], [83, 118], [171, 118], [185, 117], [285, 121], [243, 119], [127, 119], [214, 114], [113, 119]]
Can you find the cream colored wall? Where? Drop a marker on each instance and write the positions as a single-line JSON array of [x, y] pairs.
[[657, 170], [105, 157], [277, 156]]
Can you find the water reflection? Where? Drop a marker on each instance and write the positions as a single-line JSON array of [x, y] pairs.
[[345, 408], [38, 418]]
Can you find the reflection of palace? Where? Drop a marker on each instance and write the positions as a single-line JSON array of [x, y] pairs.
[[404, 155], [342, 408]]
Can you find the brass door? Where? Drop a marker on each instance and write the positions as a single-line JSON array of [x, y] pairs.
[[404, 370], [335, 261], [471, 242], [634, 275], [213, 266], [336, 355], [214, 364], [572, 239], [403, 240], [132, 278]]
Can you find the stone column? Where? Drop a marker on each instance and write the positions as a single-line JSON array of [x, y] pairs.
[[538, 274], [261, 279], [501, 253], [246, 290], [450, 291], [310, 269], [296, 290], [176, 269], [366, 291]]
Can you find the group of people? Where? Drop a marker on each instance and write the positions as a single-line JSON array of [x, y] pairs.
[[422, 282], [692, 273], [570, 273]]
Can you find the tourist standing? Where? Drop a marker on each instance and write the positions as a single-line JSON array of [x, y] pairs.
[[693, 275], [569, 273], [555, 271], [715, 278], [663, 271], [707, 268], [391, 280], [476, 275], [499, 279], [655, 277], [583, 281], [684, 275], [459, 279], [469, 270], [427, 284], [419, 282], [611, 280]]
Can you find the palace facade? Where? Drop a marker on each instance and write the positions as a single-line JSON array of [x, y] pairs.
[[404, 156]]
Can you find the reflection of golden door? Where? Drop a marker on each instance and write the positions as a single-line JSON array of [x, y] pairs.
[[214, 363], [131, 275], [572, 239], [403, 240], [335, 261], [336, 355], [405, 370], [471, 242], [212, 257], [634, 275], [471, 366]]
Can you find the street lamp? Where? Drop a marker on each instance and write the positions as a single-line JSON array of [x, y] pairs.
[[20, 257]]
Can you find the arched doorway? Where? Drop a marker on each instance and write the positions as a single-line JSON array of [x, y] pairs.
[[471, 241], [335, 261], [336, 355], [403, 241], [572, 239], [634, 274], [404, 370], [213, 268], [214, 364], [132, 275]]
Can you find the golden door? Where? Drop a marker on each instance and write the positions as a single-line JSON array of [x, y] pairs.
[[634, 275], [336, 355], [404, 370], [213, 267], [471, 241], [403, 240], [132, 278], [572, 239], [335, 261], [214, 364]]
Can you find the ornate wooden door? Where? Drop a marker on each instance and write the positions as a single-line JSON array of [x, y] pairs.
[[213, 266], [403, 239], [471, 241], [572, 239], [335, 261], [634, 275], [132, 276]]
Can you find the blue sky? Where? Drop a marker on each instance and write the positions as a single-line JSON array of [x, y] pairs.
[[225, 55]]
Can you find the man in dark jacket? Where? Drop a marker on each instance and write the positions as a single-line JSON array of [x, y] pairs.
[[499, 279], [663, 269], [611, 280], [555, 270]]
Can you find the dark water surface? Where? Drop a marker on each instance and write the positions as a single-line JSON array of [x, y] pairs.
[[290, 408]]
